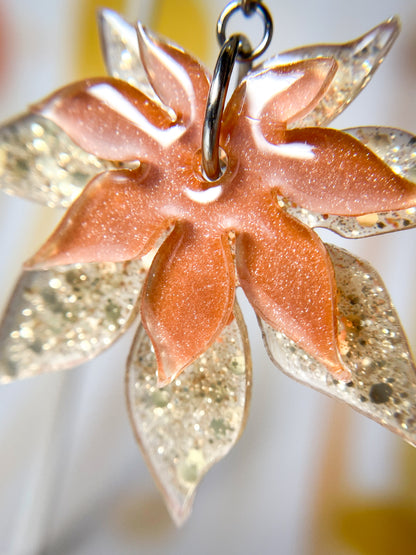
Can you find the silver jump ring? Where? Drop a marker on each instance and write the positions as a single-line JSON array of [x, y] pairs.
[[215, 107], [248, 8]]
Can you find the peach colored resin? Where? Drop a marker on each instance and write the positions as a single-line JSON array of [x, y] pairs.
[[283, 266]]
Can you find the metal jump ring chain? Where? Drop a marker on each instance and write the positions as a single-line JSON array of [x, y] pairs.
[[248, 9], [215, 106], [235, 48], [247, 6]]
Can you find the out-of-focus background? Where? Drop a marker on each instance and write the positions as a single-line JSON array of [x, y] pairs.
[[309, 476]]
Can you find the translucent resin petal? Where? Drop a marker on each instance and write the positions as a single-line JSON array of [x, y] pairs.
[[115, 219], [178, 79], [59, 318], [189, 425], [120, 47], [111, 119], [372, 341], [278, 94], [287, 275], [398, 150], [341, 176], [357, 61], [188, 297], [40, 162]]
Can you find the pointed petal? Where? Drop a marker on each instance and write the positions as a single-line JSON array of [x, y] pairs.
[[60, 318], [110, 119], [179, 80], [288, 278], [115, 219], [397, 149], [120, 48], [383, 384], [189, 425], [39, 161], [276, 94], [188, 298], [340, 175], [357, 61]]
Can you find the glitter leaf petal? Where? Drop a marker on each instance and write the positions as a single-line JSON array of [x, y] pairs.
[[357, 61], [288, 278], [115, 219], [40, 162], [188, 297], [62, 317], [383, 383], [189, 425]]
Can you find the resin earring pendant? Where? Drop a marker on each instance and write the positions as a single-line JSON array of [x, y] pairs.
[[148, 232]]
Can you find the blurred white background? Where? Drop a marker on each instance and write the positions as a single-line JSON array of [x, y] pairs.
[[72, 479]]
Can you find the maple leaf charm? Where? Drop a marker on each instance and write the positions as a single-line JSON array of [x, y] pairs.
[[137, 138]]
